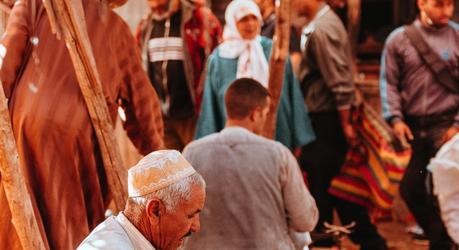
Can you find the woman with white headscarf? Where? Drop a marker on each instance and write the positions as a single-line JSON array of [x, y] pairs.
[[244, 53]]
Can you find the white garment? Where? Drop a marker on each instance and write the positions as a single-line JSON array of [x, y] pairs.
[[116, 232], [251, 62], [301, 240], [445, 171]]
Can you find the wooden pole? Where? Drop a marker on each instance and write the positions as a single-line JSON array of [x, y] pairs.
[[5, 8], [14, 184], [280, 53], [353, 17], [67, 20]]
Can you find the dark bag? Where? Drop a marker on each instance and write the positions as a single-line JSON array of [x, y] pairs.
[[432, 60]]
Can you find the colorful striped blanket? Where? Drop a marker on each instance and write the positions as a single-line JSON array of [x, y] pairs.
[[374, 168]]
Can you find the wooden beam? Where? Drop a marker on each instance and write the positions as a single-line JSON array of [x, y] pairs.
[[14, 184], [353, 18], [280, 53], [5, 7], [67, 20]]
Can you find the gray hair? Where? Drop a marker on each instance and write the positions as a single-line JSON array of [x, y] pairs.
[[171, 195]]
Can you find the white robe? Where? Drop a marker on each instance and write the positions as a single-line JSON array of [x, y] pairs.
[[445, 170], [116, 232]]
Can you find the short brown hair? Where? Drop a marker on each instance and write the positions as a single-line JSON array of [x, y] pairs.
[[243, 96]]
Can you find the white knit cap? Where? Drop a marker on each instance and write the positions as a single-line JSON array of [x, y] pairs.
[[157, 170]]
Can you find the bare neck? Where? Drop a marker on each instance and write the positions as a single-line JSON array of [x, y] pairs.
[[241, 123], [141, 223]]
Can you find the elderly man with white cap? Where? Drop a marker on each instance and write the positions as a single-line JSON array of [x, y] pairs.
[[166, 196]]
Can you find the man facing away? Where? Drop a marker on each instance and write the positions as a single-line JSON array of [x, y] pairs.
[[175, 38], [328, 87], [421, 108], [256, 192], [166, 196]]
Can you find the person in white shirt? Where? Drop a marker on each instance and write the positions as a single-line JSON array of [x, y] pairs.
[[445, 171], [166, 196]]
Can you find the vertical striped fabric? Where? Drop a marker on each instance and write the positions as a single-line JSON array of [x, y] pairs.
[[373, 169]]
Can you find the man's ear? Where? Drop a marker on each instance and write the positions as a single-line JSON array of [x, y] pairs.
[[155, 208], [254, 114]]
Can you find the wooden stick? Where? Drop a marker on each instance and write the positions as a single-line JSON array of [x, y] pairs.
[[67, 20], [353, 19], [5, 7], [14, 184], [280, 53]]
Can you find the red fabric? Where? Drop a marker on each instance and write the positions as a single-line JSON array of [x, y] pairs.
[[202, 34], [373, 170]]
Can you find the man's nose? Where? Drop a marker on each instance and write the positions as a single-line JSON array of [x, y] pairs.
[[196, 225]]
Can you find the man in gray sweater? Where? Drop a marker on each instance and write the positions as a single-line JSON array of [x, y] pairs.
[[328, 86], [255, 191], [421, 108]]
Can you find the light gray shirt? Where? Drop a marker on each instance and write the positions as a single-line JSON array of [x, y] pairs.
[[255, 192], [116, 233]]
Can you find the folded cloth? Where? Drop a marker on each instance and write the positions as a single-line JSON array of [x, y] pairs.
[[445, 173], [300, 240]]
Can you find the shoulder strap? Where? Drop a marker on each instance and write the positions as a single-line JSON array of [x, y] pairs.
[[432, 60]]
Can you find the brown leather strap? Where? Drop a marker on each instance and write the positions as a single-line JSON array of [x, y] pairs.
[[432, 60]]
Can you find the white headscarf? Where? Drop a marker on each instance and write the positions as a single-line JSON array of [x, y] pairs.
[[252, 62]]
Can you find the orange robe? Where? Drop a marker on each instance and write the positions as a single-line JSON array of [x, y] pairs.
[[57, 145]]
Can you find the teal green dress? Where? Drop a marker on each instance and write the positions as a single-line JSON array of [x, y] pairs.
[[293, 127]]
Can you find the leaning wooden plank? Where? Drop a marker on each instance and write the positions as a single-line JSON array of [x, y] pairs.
[[67, 19], [5, 7], [279, 55], [14, 184]]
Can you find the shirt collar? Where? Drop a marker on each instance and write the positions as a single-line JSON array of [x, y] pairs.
[[138, 240], [418, 24], [311, 26], [236, 129]]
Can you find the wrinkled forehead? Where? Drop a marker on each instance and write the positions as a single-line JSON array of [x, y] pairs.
[[443, 2]]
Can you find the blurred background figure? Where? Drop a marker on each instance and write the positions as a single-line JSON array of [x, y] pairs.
[[420, 96], [56, 141], [267, 8], [327, 82], [445, 172], [176, 38], [244, 53]]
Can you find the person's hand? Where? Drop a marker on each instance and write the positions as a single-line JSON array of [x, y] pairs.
[[350, 134], [403, 133], [348, 129], [450, 133]]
